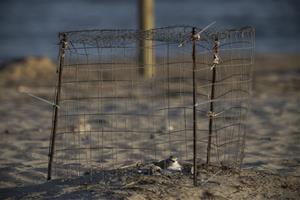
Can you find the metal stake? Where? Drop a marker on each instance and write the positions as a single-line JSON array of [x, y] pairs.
[[63, 46], [194, 109], [212, 96]]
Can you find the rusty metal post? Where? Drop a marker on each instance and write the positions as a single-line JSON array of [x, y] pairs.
[[211, 114], [194, 108], [63, 46]]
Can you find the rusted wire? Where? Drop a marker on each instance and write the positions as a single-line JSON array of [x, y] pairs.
[[110, 115]]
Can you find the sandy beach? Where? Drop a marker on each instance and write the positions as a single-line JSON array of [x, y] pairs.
[[271, 168]]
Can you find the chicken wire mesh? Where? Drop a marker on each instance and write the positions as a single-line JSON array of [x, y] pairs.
[[108, 114]]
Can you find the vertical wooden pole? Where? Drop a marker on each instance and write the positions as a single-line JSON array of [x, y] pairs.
[[194, 108], [146, 22], [63, 46], [212, 96]]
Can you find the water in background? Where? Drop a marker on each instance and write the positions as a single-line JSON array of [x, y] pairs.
[[30, 27]]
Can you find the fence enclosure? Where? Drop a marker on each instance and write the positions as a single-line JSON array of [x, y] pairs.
[[109, 115]]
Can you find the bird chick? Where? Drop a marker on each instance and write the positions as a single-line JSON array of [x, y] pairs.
[[170, 163]]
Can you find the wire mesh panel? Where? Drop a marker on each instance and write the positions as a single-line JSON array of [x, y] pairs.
[[223, 95], [111, 115]]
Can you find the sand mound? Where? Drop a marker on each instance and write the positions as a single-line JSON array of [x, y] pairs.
[[29, 70]]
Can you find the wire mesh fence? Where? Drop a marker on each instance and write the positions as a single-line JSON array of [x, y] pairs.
[[109, 113]]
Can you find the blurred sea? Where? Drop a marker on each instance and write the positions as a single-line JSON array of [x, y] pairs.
[[30, 27]]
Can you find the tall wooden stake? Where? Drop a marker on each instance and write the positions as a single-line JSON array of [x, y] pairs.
[[146, 22], [194, 108], [212, 96], [63, 46]]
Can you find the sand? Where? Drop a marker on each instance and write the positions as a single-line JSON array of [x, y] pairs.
[[271, 167]]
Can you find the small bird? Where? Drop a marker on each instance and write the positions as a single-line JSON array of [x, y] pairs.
[[170, 163]]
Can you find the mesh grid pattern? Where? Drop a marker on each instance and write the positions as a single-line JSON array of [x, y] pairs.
[[110, 115]]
